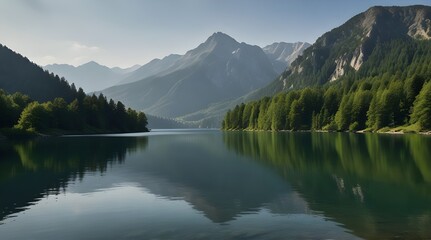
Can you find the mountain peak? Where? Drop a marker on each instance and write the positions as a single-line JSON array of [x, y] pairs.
[[219, 37], [395, 21], [347, 47], [218, 43], [91, 63]]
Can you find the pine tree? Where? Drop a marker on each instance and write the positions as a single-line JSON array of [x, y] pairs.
[[421, 114]]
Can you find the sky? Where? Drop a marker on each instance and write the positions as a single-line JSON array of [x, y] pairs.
[[127, 32]]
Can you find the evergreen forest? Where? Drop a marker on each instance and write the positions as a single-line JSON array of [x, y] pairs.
[[391, 90], [85, 114]]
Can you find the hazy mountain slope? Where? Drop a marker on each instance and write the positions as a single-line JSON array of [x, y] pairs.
[[90, 76], [154, 67], [18, 74], [155, 122], [218, 69], [213, 115], [282, 54], [126, 70]]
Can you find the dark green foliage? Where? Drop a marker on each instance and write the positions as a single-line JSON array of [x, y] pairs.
[[421, 114], [412, 87], [360, 106], [343, 117], [59, 105], [92, 114], [18, 74], [17, 134], [384, 92], [11, 107], [372, 103]]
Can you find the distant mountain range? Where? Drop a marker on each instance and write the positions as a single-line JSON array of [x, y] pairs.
[[154, 67], [280, 54], [91, 76], [217, 70], [176, 86]]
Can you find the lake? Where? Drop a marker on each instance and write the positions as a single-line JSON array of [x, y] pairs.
[[209, 184]]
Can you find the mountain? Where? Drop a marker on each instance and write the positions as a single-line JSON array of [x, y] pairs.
[[18, 74], [58, 107], [372, 73], [126, 70], [155, 122], [282, 54], [218, 69], [346, 49], [91, 76], [154, 67]]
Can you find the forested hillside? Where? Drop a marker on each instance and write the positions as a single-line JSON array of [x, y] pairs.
[[397, 92], [371, 73], [32, 99], [18, 74]]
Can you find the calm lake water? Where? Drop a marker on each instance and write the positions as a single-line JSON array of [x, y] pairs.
[[200, 184]]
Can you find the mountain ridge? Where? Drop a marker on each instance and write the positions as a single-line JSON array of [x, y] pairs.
[[219, 68], [91, 76], [348, 46], [372, 73]]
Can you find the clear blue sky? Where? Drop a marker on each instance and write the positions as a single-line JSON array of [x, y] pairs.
[[126, 32]]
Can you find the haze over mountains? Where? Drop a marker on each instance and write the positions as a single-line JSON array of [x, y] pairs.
[[154, 67], [201, 85], [217, 70], [91, 76]]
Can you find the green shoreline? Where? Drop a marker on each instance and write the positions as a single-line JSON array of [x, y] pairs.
[[390, 132]]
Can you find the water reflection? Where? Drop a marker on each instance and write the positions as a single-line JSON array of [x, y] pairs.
[[198, 169], [33, 169], [193, 167], [376, 185], [218, 185]]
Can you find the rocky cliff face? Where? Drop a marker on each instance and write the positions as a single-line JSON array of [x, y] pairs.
[[348, 47], [283, 54]]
